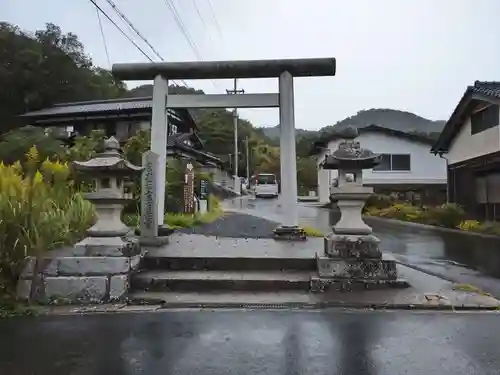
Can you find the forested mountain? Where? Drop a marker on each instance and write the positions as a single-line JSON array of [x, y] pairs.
[[273, 132], [389, 118]]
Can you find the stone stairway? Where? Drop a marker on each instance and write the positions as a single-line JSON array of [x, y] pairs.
[[171, 275]]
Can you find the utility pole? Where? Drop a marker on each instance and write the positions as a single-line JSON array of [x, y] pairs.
[[248, 160], [234, 91]]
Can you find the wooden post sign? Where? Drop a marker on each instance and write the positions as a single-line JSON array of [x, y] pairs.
[[189, 189], [204, 196]]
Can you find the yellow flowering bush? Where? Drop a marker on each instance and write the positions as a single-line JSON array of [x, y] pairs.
[[399, 211], [470, 225], [39, 210]]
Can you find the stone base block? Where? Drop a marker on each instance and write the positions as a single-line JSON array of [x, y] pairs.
[[355, 268], [76, 289], [352, 246], [154, 241], [87, 266], [319, 284], [105, 246], [163, 230], [289, 233]]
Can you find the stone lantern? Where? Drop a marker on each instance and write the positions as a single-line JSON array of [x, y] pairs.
[[109, 171], [352, 257]]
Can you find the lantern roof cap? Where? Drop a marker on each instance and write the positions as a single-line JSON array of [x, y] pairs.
[[110, 160]]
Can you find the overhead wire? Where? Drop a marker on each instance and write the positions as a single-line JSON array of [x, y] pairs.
[[138, 33], [180, 24], [121, 31], [103, 36], [178, 20], [214, 15], [128, 22], [199, 14]]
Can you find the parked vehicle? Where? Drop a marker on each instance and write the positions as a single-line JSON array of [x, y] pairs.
[[266, 185]]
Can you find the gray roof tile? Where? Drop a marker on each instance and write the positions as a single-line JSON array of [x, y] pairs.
[[491, 88], [482, 88], [96, 106]]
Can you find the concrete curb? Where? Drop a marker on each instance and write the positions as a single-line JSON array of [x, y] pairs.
[[154, 306]]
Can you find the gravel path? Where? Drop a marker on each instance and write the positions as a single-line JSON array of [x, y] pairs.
[[235, 225]]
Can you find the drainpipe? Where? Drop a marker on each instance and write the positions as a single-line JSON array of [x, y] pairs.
[[447, 179]]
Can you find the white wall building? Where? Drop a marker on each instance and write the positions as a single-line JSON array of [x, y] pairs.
[[407, 163], [471, 142]]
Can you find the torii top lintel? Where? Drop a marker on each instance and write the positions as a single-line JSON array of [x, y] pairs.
[[312, 67]]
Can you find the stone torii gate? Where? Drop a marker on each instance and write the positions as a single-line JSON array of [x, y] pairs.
[[285, 70]]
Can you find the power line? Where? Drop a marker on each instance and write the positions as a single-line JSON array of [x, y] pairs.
[[124, 17], [199, 14], [217, 25], [134, 29], [121, 31], [103, 37], [178, 20]]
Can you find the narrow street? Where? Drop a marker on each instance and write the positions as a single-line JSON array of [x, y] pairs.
[[253, 342], [461, 258]]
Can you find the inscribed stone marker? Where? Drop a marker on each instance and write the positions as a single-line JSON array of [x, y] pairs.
[[149, 204]]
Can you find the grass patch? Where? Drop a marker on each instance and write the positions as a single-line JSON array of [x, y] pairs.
[[470, 289], [312, 232], [10, 307], [181, 220]]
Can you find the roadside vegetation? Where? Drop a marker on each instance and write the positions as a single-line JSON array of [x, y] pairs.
[[446, 216], [312, 232]]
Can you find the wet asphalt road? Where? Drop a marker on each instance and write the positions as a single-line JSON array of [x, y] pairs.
[[460, 258], [235, 225], [253, 342]]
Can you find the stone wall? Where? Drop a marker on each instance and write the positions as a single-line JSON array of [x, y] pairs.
[[66, 276]]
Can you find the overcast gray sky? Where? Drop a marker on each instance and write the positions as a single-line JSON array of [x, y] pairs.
[[413, 55]]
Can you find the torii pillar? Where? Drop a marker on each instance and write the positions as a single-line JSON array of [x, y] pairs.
[[284, 70]]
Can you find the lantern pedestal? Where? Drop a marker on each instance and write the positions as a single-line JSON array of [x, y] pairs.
[[289, 233], [352, 259]]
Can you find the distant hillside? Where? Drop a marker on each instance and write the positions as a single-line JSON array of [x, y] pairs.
[[389, 118], [274, 132]]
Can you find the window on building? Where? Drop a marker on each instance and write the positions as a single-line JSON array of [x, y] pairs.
[[394, 162], [484, 118], [385, 164], [400, 162], [110, 130]]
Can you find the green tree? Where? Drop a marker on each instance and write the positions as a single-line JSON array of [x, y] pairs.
[[46, 67], [15, 145]]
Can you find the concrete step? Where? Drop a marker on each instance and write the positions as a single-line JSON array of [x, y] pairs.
[[228, 263], [197, 281]]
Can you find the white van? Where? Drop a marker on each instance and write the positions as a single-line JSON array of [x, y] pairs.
[[266, 185]]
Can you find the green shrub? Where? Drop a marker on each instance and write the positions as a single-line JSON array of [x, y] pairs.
[[448, 215], [489, 227], [378, 201], [179, 220]]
